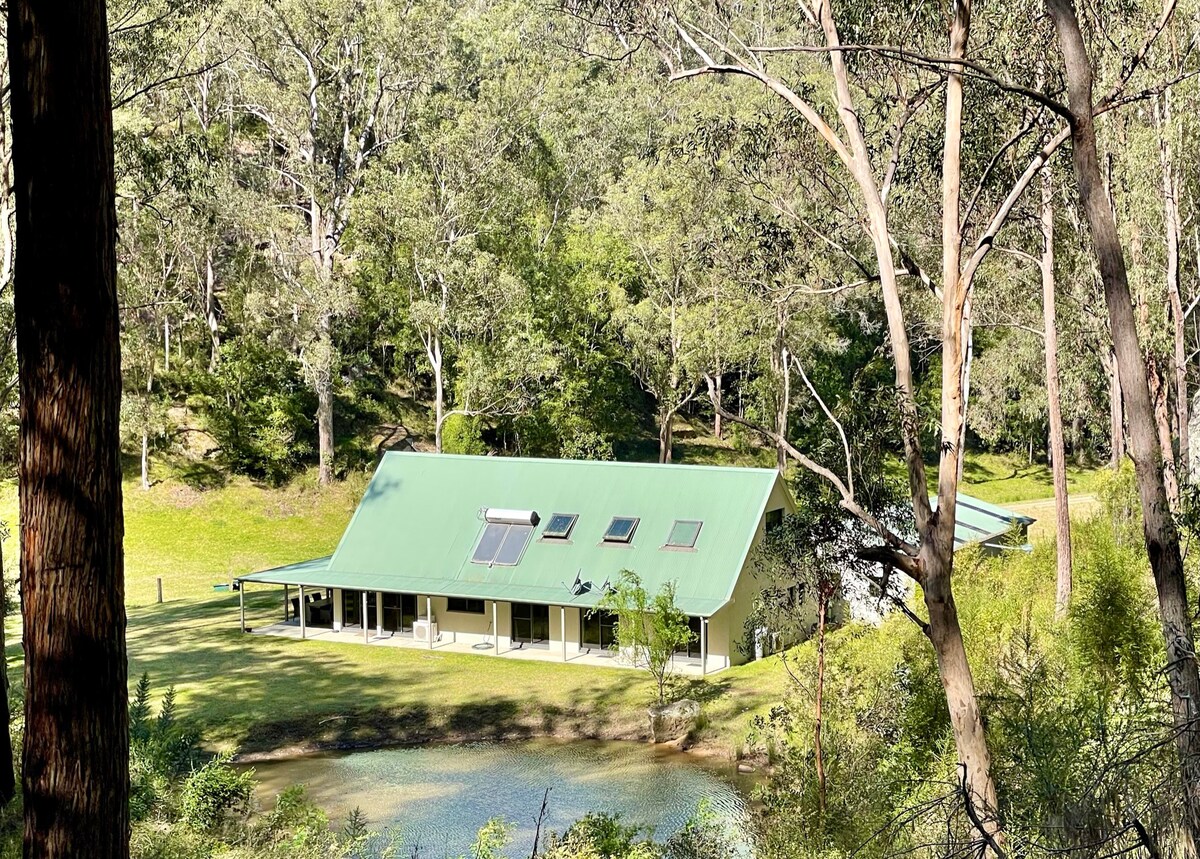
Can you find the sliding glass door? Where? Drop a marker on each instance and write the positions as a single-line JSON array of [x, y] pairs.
[[599, 629], [530, 624]]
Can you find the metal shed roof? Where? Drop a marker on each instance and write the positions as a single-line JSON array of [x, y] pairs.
[[978, 521], [421, 518]]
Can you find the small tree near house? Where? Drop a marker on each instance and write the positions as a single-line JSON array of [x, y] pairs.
[[803, 561], [649, 630]]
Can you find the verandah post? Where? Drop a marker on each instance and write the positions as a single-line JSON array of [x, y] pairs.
[[242, 603], [429, 621], [303, 613], [562, 623], [496, 627], [366, 628], [703, 646]]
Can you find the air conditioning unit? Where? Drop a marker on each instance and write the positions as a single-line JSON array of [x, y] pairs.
[[425, 631]]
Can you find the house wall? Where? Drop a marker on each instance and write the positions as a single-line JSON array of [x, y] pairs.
[[727, 628]]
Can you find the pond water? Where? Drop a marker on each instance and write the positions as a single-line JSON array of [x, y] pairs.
[[437, 797]]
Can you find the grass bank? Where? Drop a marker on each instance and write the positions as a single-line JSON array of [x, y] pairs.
[[256, 693]]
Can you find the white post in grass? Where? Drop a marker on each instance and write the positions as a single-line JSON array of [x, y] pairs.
[[562, 628], [303, 612], [703, 646], [363, 620], [242, 603], [429, 621], [496, 627], [379, 614]]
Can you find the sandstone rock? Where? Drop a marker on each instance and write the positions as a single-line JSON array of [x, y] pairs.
[[674, 720]]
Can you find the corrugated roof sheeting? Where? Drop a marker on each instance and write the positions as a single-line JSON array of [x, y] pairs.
[[421, 518], [422, 515]]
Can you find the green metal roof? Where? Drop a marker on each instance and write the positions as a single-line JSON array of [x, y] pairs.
[[978, 521], [421, 518]]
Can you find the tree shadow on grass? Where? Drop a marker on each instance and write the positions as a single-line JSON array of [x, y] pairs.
[[257, 693]]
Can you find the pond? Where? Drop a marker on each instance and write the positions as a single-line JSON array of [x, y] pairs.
[[437, 797]]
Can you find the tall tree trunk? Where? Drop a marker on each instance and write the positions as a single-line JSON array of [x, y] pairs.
[[783, 405], [1058, 448], [434, 350], [717, 427], [666, 436], [1159, 396], [210, 309], [1179, 354], [75, 764], [1162, 540], [818, 706], [937, 541], [1116, 412], [325, 430], [323, 376]]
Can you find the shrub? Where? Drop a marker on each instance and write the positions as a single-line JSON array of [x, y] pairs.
[[214, 793], [463, 434]]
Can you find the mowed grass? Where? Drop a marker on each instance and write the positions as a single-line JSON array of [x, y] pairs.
[[1007, 478], [258, 693], [1010, 479]]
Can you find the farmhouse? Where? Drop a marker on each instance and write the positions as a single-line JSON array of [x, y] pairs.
[[510, 556]]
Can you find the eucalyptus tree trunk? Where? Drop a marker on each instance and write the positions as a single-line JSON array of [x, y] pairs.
[[323, 374], [666, 435], [1162, 539], [1058, 448], [75, 764], [433, 349], [717, 427], [1116, 411], [819, 704], [1179, 335], [210, 309]]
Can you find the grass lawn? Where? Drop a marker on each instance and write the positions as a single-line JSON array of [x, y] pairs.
[[1009, 478], [257, 693]]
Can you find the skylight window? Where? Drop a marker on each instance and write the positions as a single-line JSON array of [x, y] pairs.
[[684, 533], [502, 544], [560, 526], [620, 529]]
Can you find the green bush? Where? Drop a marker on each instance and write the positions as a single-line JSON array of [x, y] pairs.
[[463, 434], [258, 409], [215, 793]]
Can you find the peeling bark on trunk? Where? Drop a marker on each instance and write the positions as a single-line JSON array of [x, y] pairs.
[[75, 765], [1058, 448], [1162, 540]]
